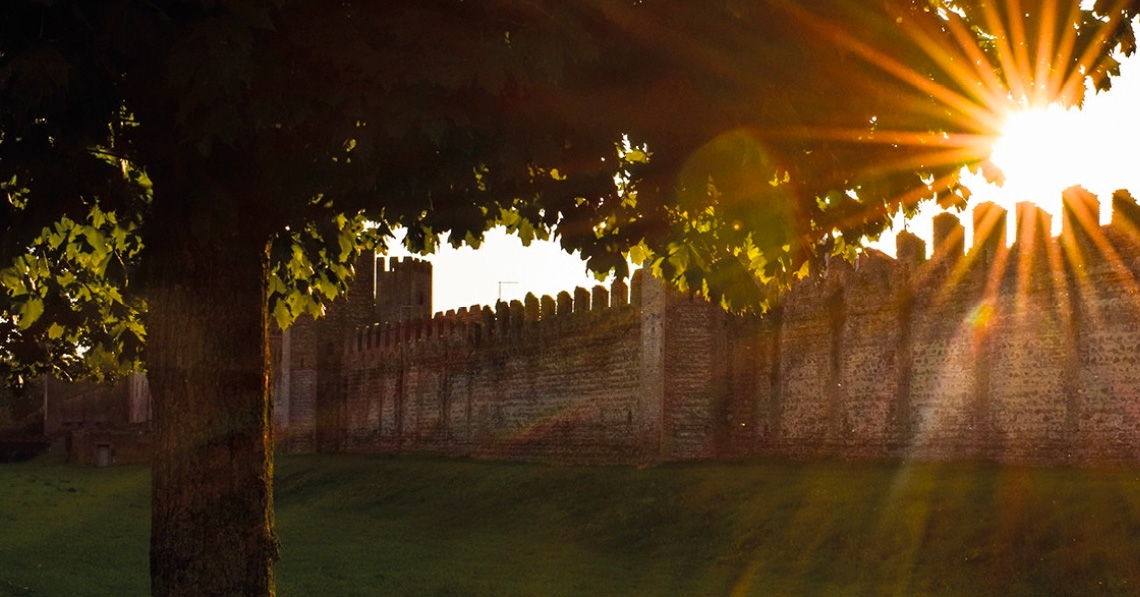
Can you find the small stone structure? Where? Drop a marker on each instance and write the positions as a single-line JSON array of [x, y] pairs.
[[100, 424]]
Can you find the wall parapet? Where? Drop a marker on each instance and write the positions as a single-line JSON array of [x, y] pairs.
[[506, 320]]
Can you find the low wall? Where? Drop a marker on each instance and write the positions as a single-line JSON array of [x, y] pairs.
[[108, 447]]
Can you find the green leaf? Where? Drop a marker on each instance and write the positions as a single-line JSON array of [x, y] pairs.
[[636, 156], [804, 271], [325, 287], [639, 253], [12, 282], [97, 218], [282, 315], [30, 312]]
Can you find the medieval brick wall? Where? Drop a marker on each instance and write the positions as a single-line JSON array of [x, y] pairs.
[[1029, 353], [555, 379], [1024, 354]]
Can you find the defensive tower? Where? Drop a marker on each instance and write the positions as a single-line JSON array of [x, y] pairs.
[[403, 290], [308, 357]]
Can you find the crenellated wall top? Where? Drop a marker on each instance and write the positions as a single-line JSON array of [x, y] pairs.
[[505, 320], [403, 264], [1030, 251], [873, 274]]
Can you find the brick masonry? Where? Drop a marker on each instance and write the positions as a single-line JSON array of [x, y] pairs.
[[1024, 354]]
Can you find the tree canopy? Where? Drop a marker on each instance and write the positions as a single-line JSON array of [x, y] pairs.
[[179, 172], [776, 132]]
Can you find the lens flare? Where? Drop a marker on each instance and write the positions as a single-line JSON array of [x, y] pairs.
[[1041, 152]]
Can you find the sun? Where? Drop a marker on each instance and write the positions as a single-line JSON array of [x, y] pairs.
[[1042, 151]]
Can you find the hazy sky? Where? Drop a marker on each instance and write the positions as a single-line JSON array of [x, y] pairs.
[[1095, 147]]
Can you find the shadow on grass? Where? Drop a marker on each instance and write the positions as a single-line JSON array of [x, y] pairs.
[[399, 526]]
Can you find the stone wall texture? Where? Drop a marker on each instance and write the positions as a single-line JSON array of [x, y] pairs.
[[1029, 353], [565, 387]]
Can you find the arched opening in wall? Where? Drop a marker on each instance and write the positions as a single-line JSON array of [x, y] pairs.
[[420, 298]]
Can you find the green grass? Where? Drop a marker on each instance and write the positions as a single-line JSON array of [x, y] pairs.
[[73, 531], [401, 526]]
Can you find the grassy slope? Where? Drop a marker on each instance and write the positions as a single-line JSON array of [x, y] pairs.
[[367, 526]]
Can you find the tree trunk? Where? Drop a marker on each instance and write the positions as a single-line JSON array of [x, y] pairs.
[[207, 361]]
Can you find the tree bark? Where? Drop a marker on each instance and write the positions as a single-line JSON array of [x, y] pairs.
[[207, 359]]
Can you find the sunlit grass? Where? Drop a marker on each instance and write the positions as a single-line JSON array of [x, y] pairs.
[[368, 526]]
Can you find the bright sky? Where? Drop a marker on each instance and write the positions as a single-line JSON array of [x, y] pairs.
[[504, 269], [1096, 147], [1043, 154]]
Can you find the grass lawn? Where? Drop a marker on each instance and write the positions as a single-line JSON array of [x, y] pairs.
[[401, 526]]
